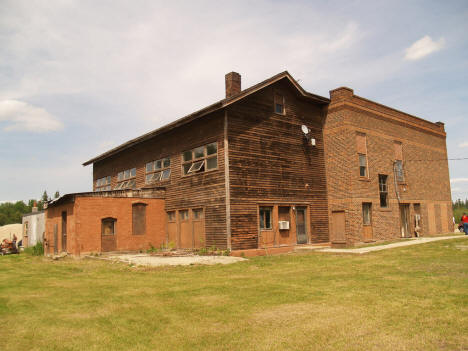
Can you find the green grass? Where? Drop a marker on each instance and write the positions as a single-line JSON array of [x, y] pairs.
[[412, 298]]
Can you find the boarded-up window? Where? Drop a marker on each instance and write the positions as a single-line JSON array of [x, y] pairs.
[[399, 171], [108, 226], [361, 144], [139, 219]]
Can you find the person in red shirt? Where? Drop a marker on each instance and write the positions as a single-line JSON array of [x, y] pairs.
[[464, 222]]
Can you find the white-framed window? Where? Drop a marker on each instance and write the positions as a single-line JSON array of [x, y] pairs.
[[126, 179], [103, 184], [158, 171], [201, 159]]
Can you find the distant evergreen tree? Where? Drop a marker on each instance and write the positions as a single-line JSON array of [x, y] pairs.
[[57, 195], [45, 197]]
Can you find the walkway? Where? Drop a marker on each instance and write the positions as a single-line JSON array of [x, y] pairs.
[[415, 241]]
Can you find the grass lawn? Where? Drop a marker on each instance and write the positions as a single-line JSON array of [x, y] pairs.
[[411, 298]]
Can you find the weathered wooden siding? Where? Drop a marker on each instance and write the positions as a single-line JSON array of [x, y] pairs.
[[182, 192], [270, 161]]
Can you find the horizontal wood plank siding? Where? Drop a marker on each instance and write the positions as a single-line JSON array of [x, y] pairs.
[[270, 160]]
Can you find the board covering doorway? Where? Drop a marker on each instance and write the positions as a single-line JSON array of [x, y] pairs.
[[404, 221], [338, 233], [301, 232]]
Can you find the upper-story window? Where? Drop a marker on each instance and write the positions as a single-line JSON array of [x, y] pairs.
[[126, 179], [400, 174], [383, 190], [279, 103], [361, 147], [103, 184], [158, 170], [200, 159]]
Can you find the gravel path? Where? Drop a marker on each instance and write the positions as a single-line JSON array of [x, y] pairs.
[[148, 260], [415, 241]]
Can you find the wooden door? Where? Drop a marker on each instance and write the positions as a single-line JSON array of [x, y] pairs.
[[198, 224], [404, 221], [431, 221], [185, 232], [285, 236], [338, 232], [367, 231], [301, 229], [64, 231], [171, 229], [108, 235], [55, 238], [444, 218]]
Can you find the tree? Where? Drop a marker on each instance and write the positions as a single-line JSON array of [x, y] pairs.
[[45, 197], [57, 195]]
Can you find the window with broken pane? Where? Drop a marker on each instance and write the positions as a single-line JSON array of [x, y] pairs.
[[108, 226], [265, 218], [126, 179], [383, 190], [200, 159], [158, 170]]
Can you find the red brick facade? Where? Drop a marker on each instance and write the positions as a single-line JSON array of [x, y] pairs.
[[389, 135], [84, 215]]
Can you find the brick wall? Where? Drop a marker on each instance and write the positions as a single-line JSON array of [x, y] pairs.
[[424, 159]]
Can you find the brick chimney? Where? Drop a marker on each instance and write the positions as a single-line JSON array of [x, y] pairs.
[[34, 207], [233, 84]]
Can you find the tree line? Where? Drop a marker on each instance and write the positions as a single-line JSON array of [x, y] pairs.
[[12, 212]]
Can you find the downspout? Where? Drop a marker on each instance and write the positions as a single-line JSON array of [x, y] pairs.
[[397, 192]]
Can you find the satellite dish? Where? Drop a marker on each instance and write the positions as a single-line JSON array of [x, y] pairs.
[[305, 130]]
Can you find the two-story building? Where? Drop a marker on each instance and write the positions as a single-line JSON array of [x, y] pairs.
[[268, 166]]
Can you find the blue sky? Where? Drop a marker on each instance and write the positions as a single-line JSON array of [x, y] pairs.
[[79, 77]]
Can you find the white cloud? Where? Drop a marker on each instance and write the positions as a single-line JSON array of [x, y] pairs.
[[465, 144], [458, 180], [20, 115], [423, 47]]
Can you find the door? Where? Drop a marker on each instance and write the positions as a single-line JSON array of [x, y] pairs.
[[171, 229], [404, 221], [55, 238], [64, 231], [198, 223], [367, 233], [338, 233], [185, 233], [108, 234], [301, 230]]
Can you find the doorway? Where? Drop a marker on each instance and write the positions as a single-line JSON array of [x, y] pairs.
[[367, 221], [404, 221], [301, 232], [338, 227], [64, 231]]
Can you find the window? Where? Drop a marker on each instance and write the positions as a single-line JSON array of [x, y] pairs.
[[265, 218], [138, 219], [200, 159], [158, 171], [103, 184], [197, 213], [362, 165], [183, 215], [126, 179], [399, 171], [361, 148], [366, 213], [279, 104], [383, 190], [171, 216], [108, 226]]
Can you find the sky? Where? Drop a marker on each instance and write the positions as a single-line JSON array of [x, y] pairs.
[[80, 77]]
